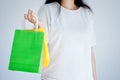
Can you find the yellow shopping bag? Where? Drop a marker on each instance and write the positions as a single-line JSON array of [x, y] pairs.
[[46, 57]]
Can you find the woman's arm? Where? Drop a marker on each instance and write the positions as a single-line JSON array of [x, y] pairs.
[[93, 63]]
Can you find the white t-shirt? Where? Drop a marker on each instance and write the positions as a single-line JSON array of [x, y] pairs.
[[70, 36]]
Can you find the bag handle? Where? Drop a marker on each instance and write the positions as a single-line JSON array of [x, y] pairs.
[[36, 24]]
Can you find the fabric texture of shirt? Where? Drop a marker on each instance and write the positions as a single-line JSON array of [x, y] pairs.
[[70, 36]]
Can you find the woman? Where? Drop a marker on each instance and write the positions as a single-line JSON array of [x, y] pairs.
[[70, 36]]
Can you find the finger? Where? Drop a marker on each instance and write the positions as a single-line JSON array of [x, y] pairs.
[[29, 11], [29, 14], [33, 13], [25, 16], [29, 17], [33, 16]]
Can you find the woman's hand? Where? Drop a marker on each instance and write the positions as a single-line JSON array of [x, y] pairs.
[[31, 17]]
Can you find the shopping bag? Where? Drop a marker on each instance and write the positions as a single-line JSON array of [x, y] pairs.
[[46, 56], [29, 51]]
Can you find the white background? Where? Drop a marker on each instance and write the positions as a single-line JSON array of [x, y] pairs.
[[107, 29]]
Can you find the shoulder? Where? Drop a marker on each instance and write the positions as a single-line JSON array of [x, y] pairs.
[[89, 15], [51, 7], [49, 11], [88, 12]]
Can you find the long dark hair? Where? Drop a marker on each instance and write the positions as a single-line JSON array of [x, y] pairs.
[[78, 3]]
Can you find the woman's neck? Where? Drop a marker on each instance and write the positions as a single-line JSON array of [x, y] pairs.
[[69, 4]]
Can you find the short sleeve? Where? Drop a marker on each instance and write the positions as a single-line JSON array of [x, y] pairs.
[[91, 32], [44, 19]]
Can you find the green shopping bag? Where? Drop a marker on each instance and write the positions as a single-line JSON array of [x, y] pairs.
[[26, 54]]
